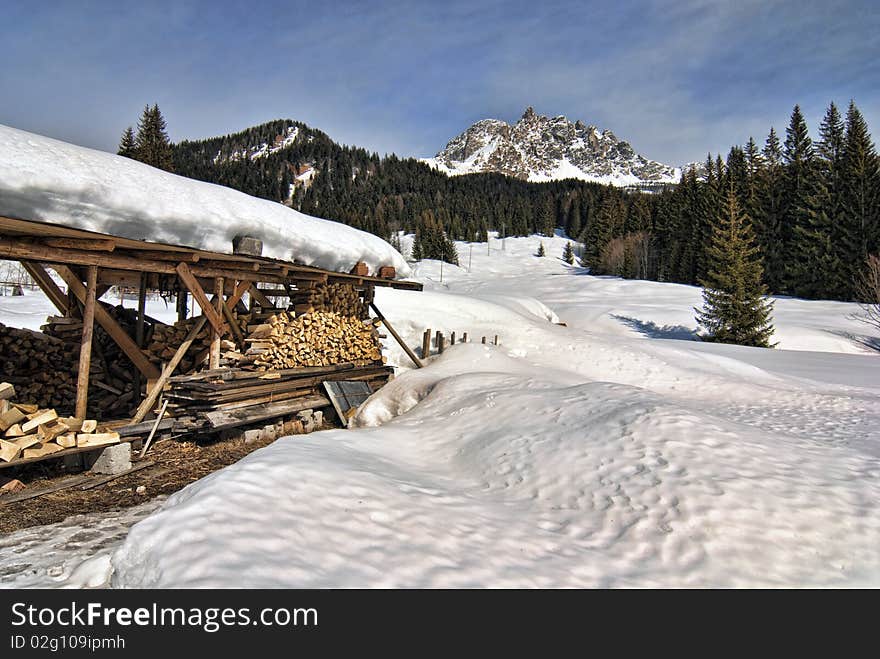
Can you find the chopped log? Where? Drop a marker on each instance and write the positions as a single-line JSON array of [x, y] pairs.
[[38, 419], [27, 442], [9, 451], [27, 408], [97, 439], [7, 391], [89, 425], [67, 440], [11, 417], [14, 431]]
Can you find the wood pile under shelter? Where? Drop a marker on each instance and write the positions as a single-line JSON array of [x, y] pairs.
[[268, 334]]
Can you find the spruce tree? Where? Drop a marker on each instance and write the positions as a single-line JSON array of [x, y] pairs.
[[735, 308], [769, 210], [798, 194], [860, 181], [126, 144], [568, 254], [541, 250], [152, 143]]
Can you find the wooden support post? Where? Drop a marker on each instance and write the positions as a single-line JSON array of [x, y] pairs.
[[182, 305], [464, 338], [441, 343], [496, 339], [85, 349], [406, 348], [214, 359], [233, 323], [47, 285], [452, 339], [123, 340], [426, 344], [437, 340], [484, 340], [139, 328], [153, 394]]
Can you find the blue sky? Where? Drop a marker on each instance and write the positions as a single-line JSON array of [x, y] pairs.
[[676, 79]]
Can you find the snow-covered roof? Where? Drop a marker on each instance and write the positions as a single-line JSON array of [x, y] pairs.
[[49, 180]]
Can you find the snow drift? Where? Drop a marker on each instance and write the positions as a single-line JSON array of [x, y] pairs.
[[52, 181]]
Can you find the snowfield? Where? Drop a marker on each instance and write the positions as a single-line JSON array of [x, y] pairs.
[[52, 181], [615, 451]]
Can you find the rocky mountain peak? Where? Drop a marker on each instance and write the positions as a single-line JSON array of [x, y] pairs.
[[541, 148]]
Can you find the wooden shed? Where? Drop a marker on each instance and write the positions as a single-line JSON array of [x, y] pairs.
[[231, 364]]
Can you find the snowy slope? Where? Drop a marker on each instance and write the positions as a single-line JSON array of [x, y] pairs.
[[48, 180], [598, 454]]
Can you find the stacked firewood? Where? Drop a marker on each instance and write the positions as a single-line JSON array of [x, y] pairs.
[[44, 368], [165, 339], [337, 298], [30, 431], [319, 338]]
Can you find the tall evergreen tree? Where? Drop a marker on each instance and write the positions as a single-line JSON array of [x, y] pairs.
[[860, 180], [735, 308], [769, 210], [568, 254], [541, 250], [127, 145], [798, 193], [152, 143]]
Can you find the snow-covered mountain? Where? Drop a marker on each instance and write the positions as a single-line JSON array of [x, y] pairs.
[[539, 148]]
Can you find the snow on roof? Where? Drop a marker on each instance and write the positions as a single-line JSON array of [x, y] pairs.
[[48, 180]]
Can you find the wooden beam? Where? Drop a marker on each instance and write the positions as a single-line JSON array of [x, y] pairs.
[[240, 289], [88, 244], [47, 285], [85, 347], [406, 349], [193, 286], [214, 358], [139, 328], [105, 320], [260, 298], [162, 380]]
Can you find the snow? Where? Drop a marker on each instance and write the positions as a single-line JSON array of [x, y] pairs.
[[612, 452], [47, 180]]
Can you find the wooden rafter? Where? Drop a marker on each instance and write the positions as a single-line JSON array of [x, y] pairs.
[[47, 285], [198, 293]]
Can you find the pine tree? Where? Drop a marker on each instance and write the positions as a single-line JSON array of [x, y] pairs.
[[541, 251], [768, 218], [735, 308], [126, 144], [798, 194], [152, 144], [568, 254], [860, 181]]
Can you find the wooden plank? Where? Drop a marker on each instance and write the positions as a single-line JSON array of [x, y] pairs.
[[47, 285], [246, 415], [85, 346], [88, 244], [112, 477], [154, 429], [347, 395], [123, 340], [162, 379], [63, 485], [400, 341], [201, 299], [143, 428]]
